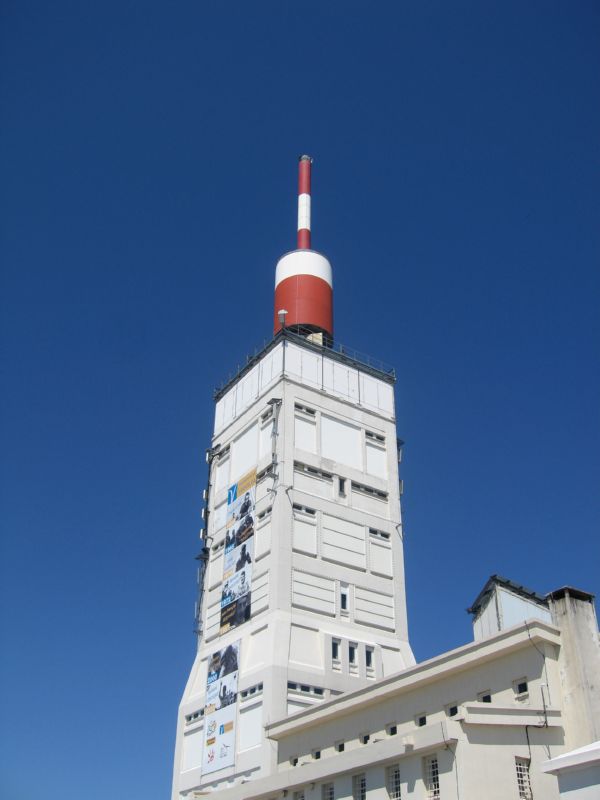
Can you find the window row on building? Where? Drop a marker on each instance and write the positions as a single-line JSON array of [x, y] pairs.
[[419, 720], [359, 495], [430, 778], [351, 654]]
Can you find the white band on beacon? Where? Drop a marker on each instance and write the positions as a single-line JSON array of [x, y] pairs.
[[303, 262], [303, 212]]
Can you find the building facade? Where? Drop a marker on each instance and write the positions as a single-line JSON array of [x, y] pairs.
[[304, 684]]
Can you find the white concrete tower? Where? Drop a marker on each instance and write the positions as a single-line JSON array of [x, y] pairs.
[[304, 594]]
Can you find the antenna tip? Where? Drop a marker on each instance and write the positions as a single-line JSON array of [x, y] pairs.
[[305, 158]]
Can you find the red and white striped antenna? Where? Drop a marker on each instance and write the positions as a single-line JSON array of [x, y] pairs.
[[303, 278], [304, 167]]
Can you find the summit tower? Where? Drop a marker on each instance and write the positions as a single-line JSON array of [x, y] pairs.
[[301, 579]]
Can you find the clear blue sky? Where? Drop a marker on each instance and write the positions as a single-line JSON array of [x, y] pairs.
[[148, 165]]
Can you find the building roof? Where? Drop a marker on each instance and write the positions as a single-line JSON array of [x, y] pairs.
[[582, 757], [578, 594], [498, 580]]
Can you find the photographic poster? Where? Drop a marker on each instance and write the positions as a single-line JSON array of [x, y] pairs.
[[236, 591], [220, 709]]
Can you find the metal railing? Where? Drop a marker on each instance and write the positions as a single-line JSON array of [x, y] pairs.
[[314, 340]]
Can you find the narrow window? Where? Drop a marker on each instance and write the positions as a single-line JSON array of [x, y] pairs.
[[521, 687], [364, 739], [335, 649], [393, 782], [316, 754], [369, 658], [359, 786], [431, 777], [294, 761], [352, 653], [523, 782], [344, 599], [452, 711], [392, 730], [421, 720], [340, 747], [342, 487], [327, 791], [485, 697]]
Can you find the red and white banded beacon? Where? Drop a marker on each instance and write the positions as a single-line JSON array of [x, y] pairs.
[[303, 278]]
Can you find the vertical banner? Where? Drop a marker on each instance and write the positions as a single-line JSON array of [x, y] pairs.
[[220, 709], [236, 593]]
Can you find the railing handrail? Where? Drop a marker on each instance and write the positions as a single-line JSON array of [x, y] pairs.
[[299, 335]]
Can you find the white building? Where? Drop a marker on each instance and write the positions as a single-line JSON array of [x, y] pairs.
[[304, 684]]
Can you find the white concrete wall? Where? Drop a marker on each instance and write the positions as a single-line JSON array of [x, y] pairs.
[[580, 784], [503, 609], [328, 519], [476, 748]]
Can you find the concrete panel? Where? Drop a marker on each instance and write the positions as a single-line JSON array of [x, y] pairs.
[[380, 558], [376, 461], [256, 647], [313, 593], [219, 517], [343, 542], [192, 749], [312, 484], [373, 608], [341, 442], [304, 536], [370, 504], [265, 440], [271, 367], [305, 434], [262, 543], [215, 569], [222, 474], [247, 391], [260, 593], [244, 452], [306, 647], [213, 618], [250, 730]]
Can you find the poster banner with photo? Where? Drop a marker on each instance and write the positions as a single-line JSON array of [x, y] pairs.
[[236, 591], [220, 709]]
